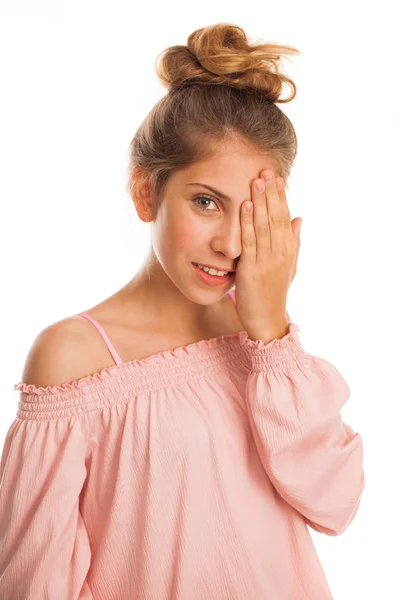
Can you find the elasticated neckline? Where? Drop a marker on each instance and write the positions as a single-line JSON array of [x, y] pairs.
[[119, 382], [170, 368], [133, 369]]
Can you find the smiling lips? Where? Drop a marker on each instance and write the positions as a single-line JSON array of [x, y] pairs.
[[216, 268], [213, 280]]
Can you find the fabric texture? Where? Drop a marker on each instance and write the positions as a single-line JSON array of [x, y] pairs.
[[192, 474]]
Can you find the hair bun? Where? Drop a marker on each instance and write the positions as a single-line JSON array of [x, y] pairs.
[[221, 54]]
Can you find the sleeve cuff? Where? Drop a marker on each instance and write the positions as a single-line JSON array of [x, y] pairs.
[[276, 354]]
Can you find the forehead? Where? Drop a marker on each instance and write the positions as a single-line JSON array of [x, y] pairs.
[[232, 161]]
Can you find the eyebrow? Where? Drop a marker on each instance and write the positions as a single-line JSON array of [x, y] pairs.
[[213, 190]]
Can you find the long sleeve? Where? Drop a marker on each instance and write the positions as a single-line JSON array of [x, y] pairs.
[[44, 547], [313, 459]]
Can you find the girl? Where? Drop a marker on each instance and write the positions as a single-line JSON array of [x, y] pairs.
[[176, 441]]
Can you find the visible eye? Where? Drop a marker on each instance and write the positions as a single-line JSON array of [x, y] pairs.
[[195, 200]]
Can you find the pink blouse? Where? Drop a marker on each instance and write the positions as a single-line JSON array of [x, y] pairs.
[[192, 474]]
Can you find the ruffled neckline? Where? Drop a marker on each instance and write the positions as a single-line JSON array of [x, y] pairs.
[[195, 350]]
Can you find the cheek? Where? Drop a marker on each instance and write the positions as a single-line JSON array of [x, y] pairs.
[[179, 233], [185, 232], [187, 235]]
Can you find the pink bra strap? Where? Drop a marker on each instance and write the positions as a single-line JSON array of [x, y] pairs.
[[105, 337], [233, 296]]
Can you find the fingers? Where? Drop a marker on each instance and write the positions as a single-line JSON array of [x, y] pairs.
[[256, 239], [249, 242], [260, 221], [267, 228], [278, 215]]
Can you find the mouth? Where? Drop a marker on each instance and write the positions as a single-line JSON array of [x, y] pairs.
[[214, 279]]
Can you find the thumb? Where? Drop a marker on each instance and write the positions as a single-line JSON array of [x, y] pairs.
[[296, 227]]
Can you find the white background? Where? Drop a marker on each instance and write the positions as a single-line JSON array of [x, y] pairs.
[[77, 79]]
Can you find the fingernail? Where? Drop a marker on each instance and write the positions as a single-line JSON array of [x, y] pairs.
[[260, 187]]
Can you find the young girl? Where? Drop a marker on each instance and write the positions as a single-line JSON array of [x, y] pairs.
[[175, 441]]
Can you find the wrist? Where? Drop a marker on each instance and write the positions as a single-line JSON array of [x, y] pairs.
[[277, 331]]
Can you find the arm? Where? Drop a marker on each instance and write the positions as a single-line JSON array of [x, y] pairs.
[[311, 456], [45, 549]]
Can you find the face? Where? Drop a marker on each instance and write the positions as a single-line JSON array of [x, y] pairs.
[[197, 225]]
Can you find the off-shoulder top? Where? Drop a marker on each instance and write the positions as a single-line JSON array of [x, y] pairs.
[[192, 474]]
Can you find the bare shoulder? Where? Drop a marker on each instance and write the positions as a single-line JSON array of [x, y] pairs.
[[63, 352]]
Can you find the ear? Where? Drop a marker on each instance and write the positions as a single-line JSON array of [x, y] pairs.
[[140, 192]]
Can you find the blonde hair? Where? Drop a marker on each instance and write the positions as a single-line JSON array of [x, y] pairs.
[[221, 88]]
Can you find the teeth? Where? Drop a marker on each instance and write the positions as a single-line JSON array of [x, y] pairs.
[[212, 271]]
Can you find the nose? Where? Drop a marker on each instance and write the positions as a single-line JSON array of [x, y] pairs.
[[228, 239]]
